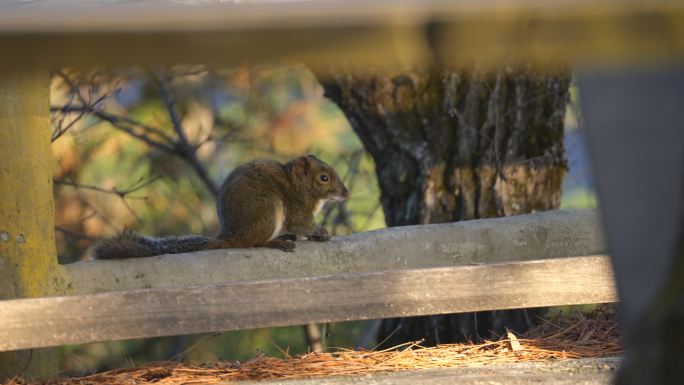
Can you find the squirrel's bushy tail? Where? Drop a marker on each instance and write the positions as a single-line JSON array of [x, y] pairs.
[[131, 245]]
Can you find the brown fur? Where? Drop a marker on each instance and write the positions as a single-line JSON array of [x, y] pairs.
[[258, 202], [129, 244]]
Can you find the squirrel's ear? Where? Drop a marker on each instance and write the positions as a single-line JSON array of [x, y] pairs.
[[312, 156], [302, 165]]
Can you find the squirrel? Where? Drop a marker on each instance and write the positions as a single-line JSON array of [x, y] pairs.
[[262, 203]]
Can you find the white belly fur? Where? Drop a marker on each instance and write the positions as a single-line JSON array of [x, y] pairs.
[[319, 206], [279, 221]]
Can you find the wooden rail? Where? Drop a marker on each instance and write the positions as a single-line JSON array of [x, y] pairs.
[[498, 263], [41, 322]]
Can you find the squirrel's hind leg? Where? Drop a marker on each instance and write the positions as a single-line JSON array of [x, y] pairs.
[[287, 237], [280, 245]]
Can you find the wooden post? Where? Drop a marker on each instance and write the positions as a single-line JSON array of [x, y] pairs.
[[27, 241]]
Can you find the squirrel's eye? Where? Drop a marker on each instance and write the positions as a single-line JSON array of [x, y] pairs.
[[323, 178]]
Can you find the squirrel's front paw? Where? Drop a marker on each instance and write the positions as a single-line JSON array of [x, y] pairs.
[[320, 234]]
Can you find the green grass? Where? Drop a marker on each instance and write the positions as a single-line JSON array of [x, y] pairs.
[[578, 199]]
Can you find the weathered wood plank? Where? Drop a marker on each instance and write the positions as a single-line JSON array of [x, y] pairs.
[[30, 323]]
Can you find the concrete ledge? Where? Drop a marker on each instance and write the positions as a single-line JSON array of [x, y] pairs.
[[552, 234]]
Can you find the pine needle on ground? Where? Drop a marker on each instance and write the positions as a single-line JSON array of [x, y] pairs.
[[562, 337]]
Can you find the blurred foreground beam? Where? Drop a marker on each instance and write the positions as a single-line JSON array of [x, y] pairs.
[[634, 121], [62, 33], [143, 313]]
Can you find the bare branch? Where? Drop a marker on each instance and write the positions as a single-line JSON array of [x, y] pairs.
[[170, 103], [123, 194], [75, 92], [152, 136], [182, 146], [74, 235], [127, 125], [140, 184], [81, 220]]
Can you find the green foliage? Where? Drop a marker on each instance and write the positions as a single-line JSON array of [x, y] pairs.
[[578, 199]]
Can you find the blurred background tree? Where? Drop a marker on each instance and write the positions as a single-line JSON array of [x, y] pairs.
[[451, 146], [145, 149]]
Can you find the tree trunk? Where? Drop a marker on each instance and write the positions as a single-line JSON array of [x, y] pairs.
[[451, 146]]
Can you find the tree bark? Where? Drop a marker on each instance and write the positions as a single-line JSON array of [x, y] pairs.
[[458, 145]]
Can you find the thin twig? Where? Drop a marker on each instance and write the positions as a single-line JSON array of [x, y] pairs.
[[75, 92], [140, 184], [183, 148]]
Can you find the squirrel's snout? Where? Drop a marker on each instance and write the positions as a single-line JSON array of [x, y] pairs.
[[343, 194]]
